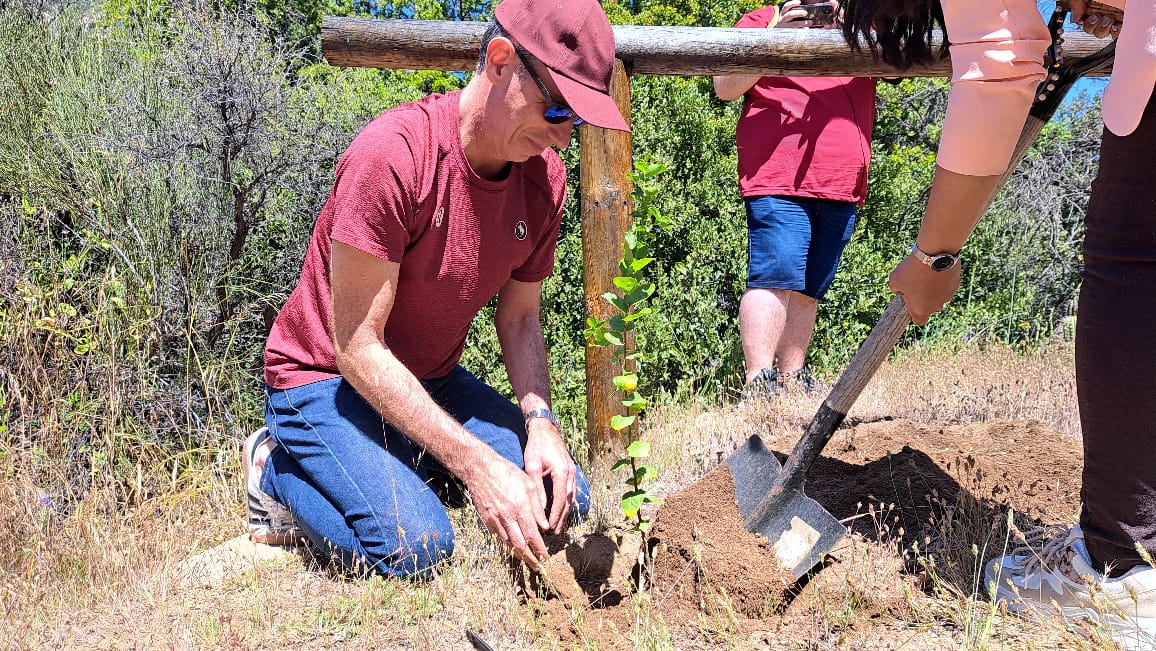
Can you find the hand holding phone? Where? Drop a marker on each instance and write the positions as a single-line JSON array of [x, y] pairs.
[[819, 14], [793, 13]]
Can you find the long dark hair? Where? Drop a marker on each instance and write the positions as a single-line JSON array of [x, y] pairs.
[[898, 31]]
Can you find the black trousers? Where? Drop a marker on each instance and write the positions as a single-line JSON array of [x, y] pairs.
[[1116, 350]]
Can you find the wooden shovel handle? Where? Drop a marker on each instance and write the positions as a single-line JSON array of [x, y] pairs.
[[859, 372]]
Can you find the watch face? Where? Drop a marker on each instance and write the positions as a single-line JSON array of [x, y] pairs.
[[942, 262]]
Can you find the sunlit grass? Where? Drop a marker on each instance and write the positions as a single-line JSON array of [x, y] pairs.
[[102, 569]]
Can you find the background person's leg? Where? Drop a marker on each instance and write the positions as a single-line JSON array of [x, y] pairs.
[[778, 237], [496, 421], [797, 331], [762, 320], [352, 482], [1116, 351], [832, 223]]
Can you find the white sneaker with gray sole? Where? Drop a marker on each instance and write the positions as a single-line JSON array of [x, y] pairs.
[[1052, 573]]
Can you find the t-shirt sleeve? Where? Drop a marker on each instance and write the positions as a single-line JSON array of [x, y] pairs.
[[375, 193], [540, 264], [997, 50]]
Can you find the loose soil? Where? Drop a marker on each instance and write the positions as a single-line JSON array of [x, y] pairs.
[[915, 498]]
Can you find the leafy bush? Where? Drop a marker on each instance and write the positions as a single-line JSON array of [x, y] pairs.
[[167, 175]]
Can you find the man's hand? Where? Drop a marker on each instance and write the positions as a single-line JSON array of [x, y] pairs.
[[546, 456], [510, 504], [924, 290], [1097, 20]]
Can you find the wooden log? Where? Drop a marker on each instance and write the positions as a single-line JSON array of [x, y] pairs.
[[604, 164], [680, 51]]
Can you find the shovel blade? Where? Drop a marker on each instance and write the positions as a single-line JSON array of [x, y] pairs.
[[756, 471], [801, 532], [799, 529]]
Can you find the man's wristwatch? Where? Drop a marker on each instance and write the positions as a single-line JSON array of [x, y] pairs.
[[543, 413], [940, 262]]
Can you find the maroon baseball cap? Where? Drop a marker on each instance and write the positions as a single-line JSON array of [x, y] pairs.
[[574, 40]]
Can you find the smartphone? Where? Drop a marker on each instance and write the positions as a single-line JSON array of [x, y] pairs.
[[819, 14]]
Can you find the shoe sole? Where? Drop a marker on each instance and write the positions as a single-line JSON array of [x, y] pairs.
[[261, 534], [1133, 634]]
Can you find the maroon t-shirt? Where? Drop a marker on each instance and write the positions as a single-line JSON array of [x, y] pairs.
[[805, 136], [405, 193]]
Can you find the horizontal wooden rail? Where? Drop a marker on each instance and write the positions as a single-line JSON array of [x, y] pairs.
[[681, 51]]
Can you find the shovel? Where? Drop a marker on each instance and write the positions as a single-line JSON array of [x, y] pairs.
[[770, 496]]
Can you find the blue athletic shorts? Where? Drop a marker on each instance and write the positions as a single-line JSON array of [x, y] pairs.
[[795, 242]]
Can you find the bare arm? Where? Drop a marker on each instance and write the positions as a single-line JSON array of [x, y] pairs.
[[733, 87], [519, 327], [363, 289], [728, 87], [953, 209]]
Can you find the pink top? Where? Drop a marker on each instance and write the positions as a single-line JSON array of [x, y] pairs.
[[405, 192], [997, 60]]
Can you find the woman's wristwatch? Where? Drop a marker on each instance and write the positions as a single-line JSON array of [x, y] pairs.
[[939, 262], [543, 413]]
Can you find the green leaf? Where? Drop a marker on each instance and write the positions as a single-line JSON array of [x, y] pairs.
[[626, 283], [642, 473], [635, 402], [630, 239], [613, 337], [618, 422], [639, 264], [634, 316], [621, 463], [638, 449], [626, 382], [632, 502]]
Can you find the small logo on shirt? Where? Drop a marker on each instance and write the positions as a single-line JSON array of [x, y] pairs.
[[438, 216], [520, 230]]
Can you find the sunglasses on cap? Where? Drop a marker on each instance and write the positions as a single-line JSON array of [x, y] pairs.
[[555, 113]]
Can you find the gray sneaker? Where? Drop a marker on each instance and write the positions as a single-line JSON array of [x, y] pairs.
[[270, 522], [1052, 574], [764, 385]]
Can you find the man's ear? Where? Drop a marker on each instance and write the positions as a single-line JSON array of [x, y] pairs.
[[501, 60]]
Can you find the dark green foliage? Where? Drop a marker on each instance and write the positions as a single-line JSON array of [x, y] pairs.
[[166, 177]]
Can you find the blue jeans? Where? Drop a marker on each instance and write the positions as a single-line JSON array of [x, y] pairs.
[[364, 493], [795, 242]]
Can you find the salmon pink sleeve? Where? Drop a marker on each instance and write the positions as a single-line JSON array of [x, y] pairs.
[[1134, 71], [997, 51]]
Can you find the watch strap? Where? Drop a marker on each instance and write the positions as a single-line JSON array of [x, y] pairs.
[[542, 412], [933, 261]]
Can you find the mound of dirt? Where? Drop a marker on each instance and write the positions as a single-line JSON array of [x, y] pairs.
[[900, 484]]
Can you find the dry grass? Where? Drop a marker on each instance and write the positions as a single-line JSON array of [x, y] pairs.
[[103, 578]]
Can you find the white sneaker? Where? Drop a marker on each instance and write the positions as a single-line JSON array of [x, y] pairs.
[[270, 522], [1053, 573]]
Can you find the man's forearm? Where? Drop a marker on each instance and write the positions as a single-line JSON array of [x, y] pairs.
[[524, 352], [399, 397]]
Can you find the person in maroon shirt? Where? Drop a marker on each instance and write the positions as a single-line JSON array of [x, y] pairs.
[[804, 145], [372, 426]]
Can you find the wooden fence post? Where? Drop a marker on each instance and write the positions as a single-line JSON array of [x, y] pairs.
[[606, 207]]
